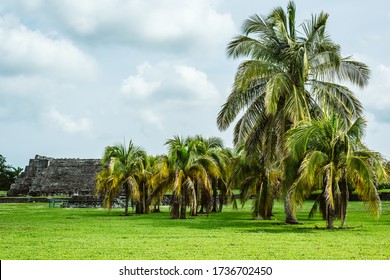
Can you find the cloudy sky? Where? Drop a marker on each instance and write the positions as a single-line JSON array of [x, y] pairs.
[[76, 76]]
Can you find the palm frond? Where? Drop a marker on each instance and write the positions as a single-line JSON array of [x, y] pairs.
[[237, 101], [253, 117], [316, 206], [314, 29], [276, 87], [353, 71], [180, 178], [362, 177], [244, 46], [336, 98], [291, 10]]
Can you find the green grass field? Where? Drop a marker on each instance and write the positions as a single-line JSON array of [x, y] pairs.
[[35, 231]]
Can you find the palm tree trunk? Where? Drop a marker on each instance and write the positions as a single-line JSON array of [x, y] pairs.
[[127, 194], [215, 193], [183, 205], [175, 205], [221, 201], [257, 202], [344, 203], [289, 213], [201, 211], [138, 206], [144, 196], [266, 201], [329, 217], [194, 203]]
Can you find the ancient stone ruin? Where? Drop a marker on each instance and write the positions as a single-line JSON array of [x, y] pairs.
[[45, 176]]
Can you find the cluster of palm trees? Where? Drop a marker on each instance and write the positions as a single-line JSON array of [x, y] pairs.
[[194, 173], [297, 129], [297, 119]]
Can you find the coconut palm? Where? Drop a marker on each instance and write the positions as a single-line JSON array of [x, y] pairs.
[[289, 75], [333, 159], [123, 168]]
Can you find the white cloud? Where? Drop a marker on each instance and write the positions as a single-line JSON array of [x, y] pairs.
[[385, 74], [22, 97], [170, 22], [30, 52], [152, 118], [197, 82], [170, 82], [376, 135], [140, 85], [67, 123], [32, 5], [377, 95]]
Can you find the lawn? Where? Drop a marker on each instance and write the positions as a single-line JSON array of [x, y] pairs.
[[35, 231]]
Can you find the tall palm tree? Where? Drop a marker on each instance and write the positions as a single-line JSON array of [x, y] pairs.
[[333, 159], [123, 167], [289, 75]]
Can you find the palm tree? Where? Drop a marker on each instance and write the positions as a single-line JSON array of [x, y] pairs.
[[289, 75], [142, 179], [256, 180], [222, 185], [213, 148], [156, 195], [183, 170], [333, 159], [123, 170]]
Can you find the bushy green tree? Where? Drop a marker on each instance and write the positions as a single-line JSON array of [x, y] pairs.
[[124, 170], [332, 158], [186, 172], [8, 174]]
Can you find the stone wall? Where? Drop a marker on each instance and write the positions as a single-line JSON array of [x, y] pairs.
[[46, 176]]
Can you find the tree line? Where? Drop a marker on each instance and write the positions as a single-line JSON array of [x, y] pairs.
[[296, 129]]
